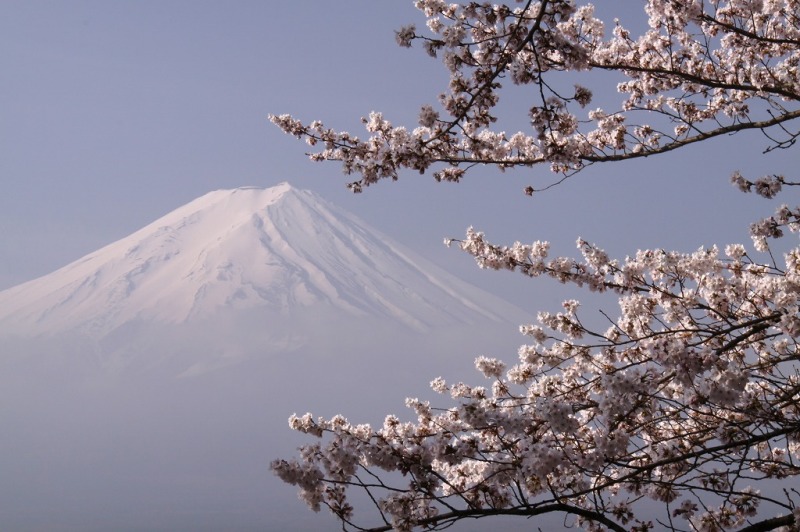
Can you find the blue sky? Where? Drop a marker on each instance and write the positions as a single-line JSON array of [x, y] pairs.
[[115, 113]]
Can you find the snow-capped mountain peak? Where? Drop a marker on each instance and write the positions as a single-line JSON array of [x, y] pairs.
[[281, 249]]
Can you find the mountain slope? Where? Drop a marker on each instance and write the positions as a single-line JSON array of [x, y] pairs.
[[280, 249]]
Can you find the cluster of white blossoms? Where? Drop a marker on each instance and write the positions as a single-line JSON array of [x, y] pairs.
[[690, 396], [702, 69]]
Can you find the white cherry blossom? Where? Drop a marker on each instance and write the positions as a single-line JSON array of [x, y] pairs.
[[689, 396]]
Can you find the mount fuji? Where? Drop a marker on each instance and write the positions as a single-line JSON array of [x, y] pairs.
[[281, 260], [146, 386]]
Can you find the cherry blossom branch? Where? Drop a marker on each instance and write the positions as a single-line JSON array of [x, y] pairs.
[[520, 511], [690, 397]]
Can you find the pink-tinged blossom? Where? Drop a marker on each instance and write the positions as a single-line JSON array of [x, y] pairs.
[[695, 363], [687, 394], [699, 70], [490, 367], [405, 35]]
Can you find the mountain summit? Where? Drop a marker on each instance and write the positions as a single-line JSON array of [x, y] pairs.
[[279, 249]]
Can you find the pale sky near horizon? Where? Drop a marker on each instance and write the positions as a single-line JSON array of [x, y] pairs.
[[115, 113]]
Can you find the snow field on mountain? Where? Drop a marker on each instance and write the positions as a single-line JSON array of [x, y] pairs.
[[276, 249]]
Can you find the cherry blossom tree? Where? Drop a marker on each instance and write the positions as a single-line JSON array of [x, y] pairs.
[[688, 401]]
